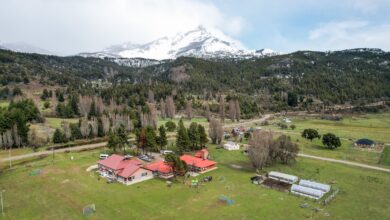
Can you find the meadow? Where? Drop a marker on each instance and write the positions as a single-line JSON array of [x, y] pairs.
[[350, 129], [62, 189]]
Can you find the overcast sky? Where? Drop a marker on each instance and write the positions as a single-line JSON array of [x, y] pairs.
[[72, 26]]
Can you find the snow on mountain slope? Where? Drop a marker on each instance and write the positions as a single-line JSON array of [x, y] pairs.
[[196, 43], [24, 48]]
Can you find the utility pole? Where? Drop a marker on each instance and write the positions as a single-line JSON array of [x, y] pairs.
[[9, 155], [2, 204]]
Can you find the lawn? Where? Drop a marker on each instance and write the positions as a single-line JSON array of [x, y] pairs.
[[4, 104], [373, 126], [56, 122], [385, 157], [63, 189]]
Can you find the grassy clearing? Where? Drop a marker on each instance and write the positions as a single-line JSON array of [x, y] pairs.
[[186, 122], [63, 189], [56, 122], [373, 126], [385, 157], [4, 104]]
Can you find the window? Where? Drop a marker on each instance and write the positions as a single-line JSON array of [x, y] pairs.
[[144, 174]]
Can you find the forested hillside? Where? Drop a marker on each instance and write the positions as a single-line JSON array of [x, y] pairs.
[[333, 77]]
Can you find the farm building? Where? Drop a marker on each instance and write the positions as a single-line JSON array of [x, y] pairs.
[[230, 145], [160, 169], [123, 170], [282, 177], [315, 185], [306, 191], [200, 162], [364, 142]]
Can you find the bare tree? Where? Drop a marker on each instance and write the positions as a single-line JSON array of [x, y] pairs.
[[287, 150], [189, 109], [222, 108], [16, 137], [66, 130], [85, 105], [238, 110], [207, 111], [84, 127], [259, 146], [215, 131], [150, 96], [232, 110], [93, 124], [170, 107], [32, 138], [106, 124], [163, 109], [152, 115]]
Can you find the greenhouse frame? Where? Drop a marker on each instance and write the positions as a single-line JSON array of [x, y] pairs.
[[306, 191], [282, 177], [315, 185]]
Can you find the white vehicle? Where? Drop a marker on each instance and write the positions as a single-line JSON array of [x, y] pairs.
[[165, 152], [103, 156]]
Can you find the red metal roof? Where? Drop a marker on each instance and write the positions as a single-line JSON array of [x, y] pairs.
[[128, 170], [159, 166], [200, 153], [196, 161], [118, 162]]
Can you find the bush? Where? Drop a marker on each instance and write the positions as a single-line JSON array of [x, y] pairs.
[[170, 125], [46, 105]]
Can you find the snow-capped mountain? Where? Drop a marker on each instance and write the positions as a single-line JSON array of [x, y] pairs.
[[195, 43], [24, 48]]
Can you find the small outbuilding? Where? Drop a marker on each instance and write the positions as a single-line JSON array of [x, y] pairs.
[[364, 142], [230, 145]]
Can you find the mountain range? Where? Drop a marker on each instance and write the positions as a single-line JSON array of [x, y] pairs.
[[198, 43]]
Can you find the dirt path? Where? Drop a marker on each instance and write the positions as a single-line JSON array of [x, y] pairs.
[[48, 152], [345, 162], [249, 122]]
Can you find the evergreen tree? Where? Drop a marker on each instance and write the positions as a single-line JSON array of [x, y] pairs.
[[202, 135], [150, 136], [100, 128], [182, 139], [162, 138], [193, 135], [58, 137]]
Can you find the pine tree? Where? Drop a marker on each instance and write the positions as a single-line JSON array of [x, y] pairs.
[[58, 137], [202, 135], [162, 138], [182, 140], [150, 135], [193, 135]]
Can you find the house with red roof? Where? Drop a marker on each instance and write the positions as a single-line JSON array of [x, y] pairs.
[[200, 162], [160, 169], [124, 170]]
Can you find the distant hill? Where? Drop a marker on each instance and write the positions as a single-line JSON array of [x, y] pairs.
[[331, 77]]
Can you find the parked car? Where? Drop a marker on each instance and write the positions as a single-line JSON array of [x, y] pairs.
[[145, 158], [165, 152], [128, 156], [103, 156]]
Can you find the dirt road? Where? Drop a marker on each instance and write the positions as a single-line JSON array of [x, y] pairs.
[[48, 152], [345, 162]]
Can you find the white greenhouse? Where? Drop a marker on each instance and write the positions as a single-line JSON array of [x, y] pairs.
[[315, 185], [282, 177], [306, 191], [230, 145]]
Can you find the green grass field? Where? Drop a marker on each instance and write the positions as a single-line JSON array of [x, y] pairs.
[[4, 104], [385, 157], [56, 122], [63, 189], [373, 126]]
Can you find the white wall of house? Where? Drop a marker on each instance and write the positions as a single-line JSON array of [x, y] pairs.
[[139, 176]]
